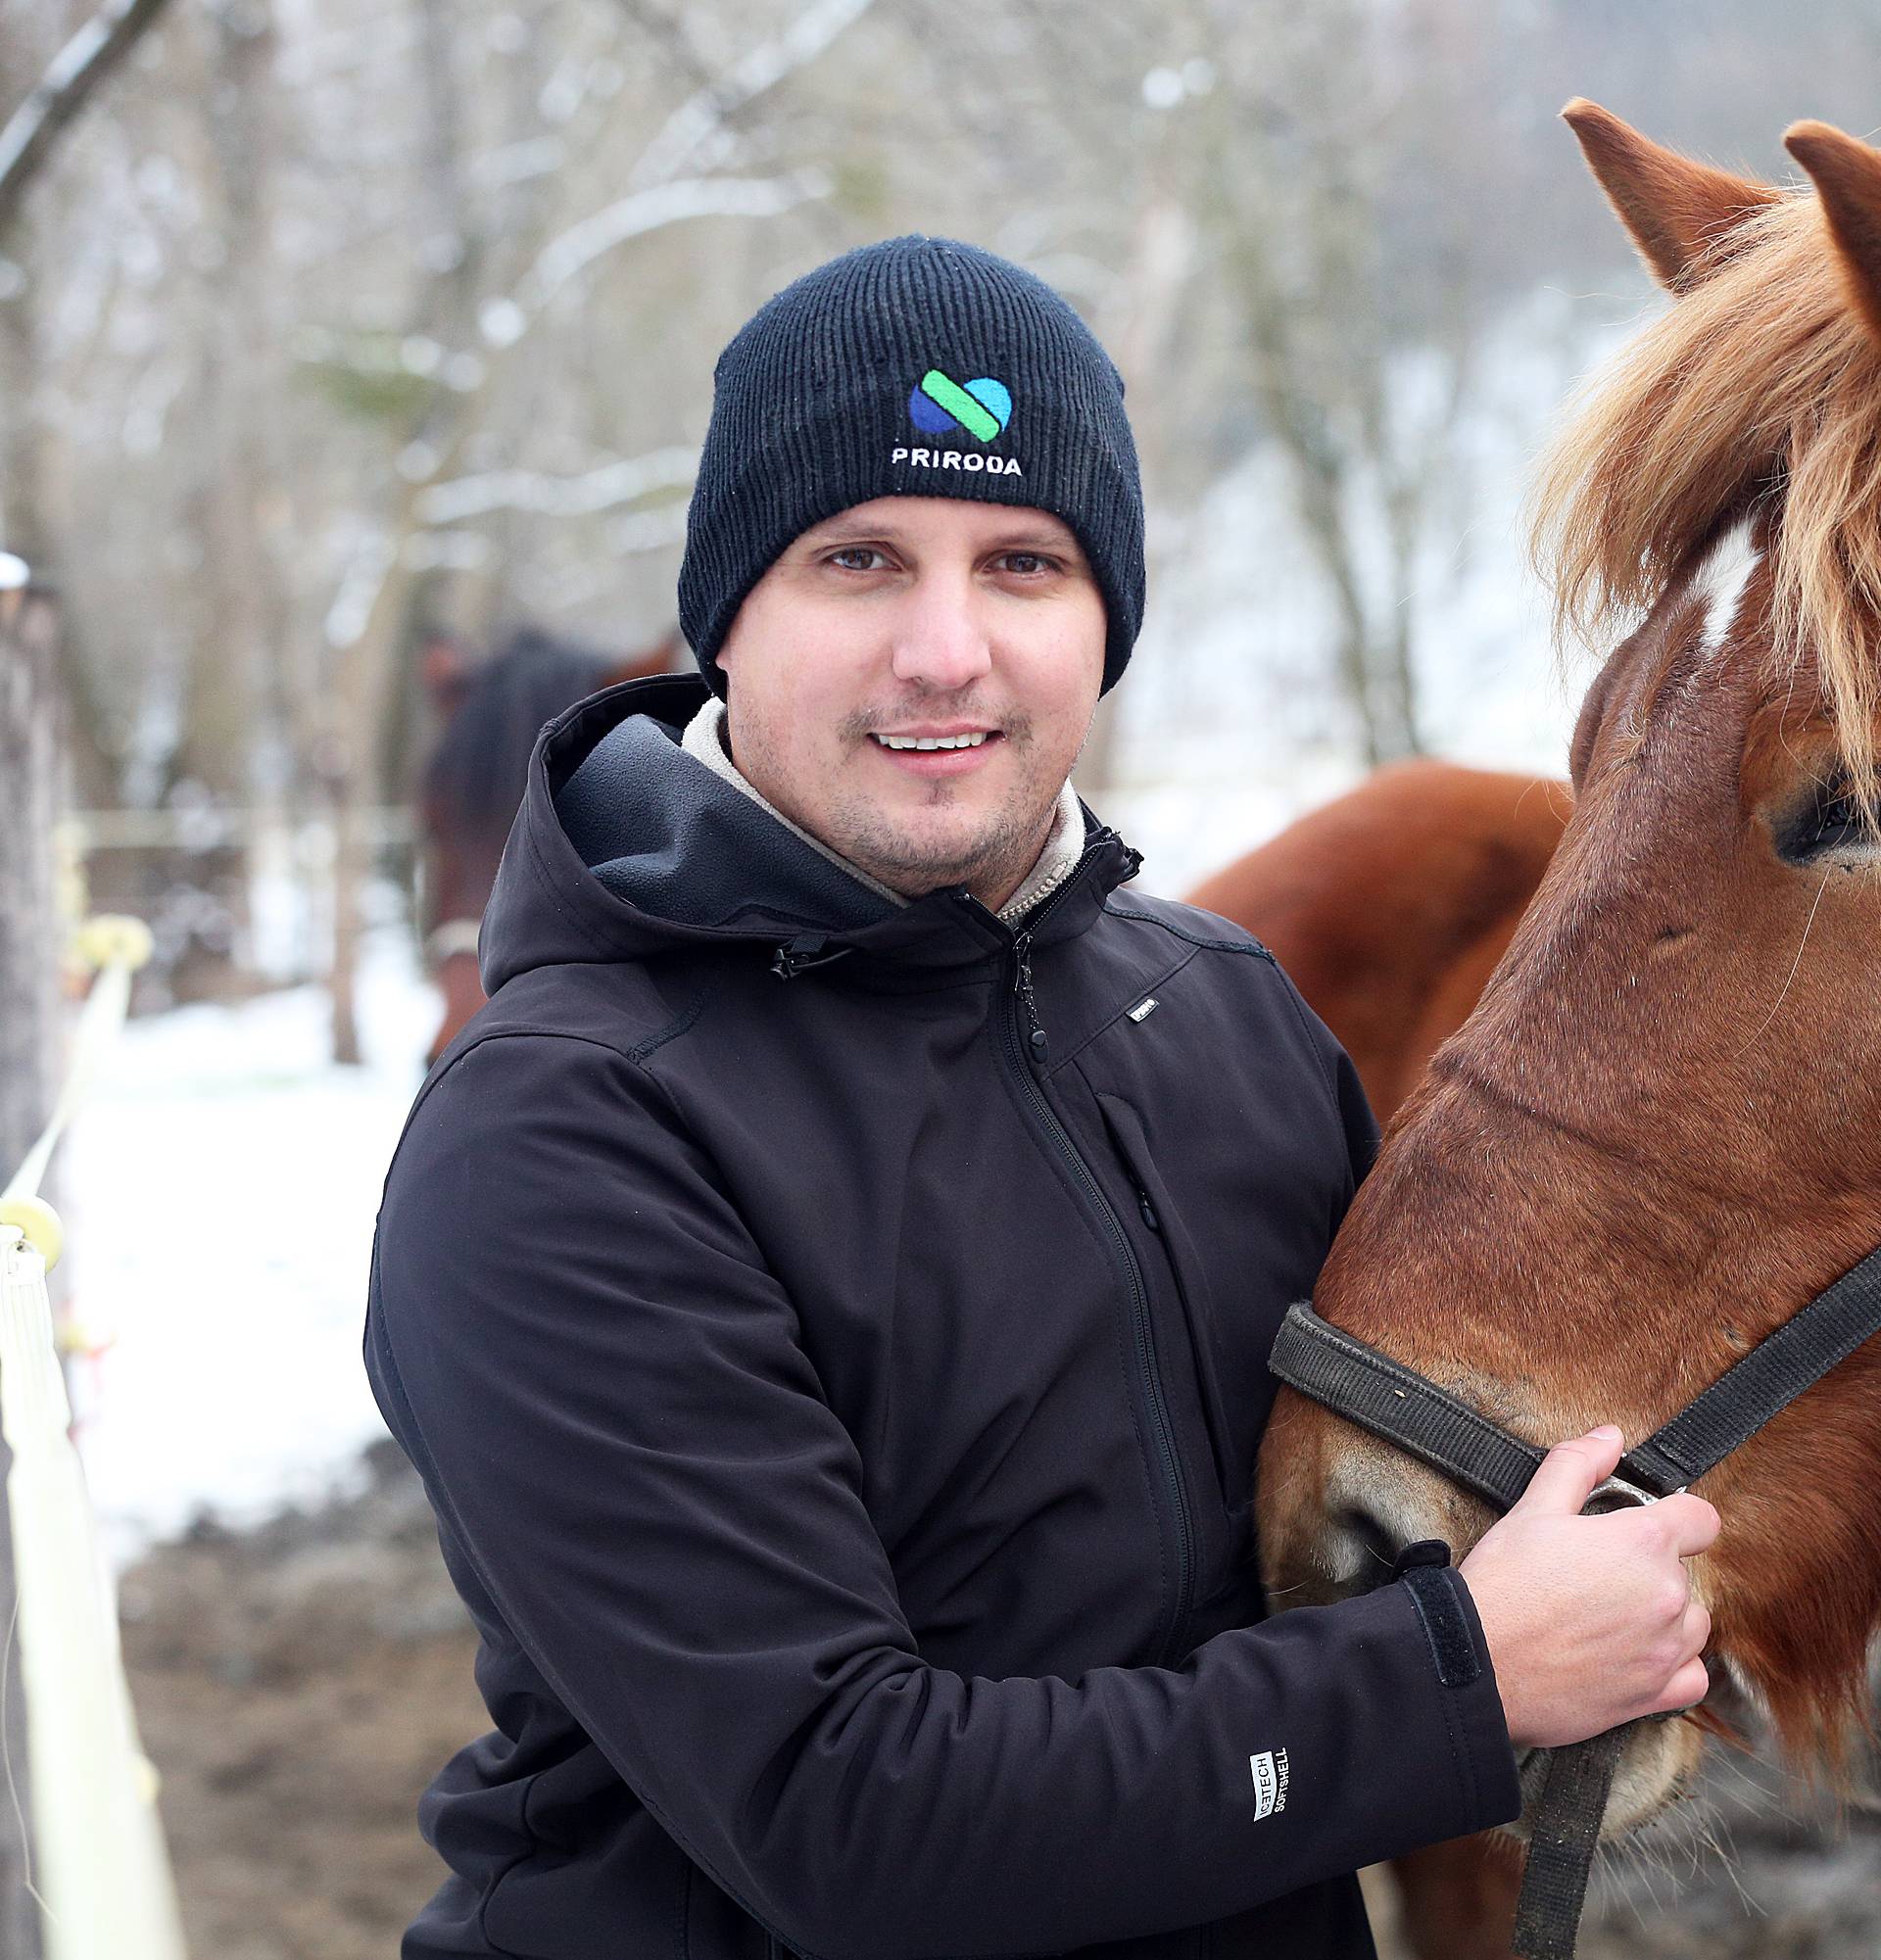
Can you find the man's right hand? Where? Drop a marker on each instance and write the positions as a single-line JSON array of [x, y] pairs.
[[1590, 1620]]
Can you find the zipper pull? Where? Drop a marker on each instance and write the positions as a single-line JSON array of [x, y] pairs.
[[1035, 1043], [806, 951], [1148, 1211]]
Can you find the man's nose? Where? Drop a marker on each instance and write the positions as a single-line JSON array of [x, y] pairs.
[[941, 640]]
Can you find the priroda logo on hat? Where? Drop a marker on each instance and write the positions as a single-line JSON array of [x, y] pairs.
[[940, 406]]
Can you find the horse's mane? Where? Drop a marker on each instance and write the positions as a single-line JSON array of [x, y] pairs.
[[1763, 380], [474, 780]]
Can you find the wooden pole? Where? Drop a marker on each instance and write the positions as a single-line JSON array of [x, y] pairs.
[[28, 1010]]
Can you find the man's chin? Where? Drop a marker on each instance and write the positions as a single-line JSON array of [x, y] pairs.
[[916, 881], [915, 868], [942, 846]]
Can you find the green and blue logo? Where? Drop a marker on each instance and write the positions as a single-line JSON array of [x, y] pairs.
[[938, 405]]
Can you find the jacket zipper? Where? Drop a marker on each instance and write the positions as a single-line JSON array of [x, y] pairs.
[[1212, 1412], [1031, 1041], [813, 950]]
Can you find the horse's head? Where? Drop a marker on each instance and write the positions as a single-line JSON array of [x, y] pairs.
[[1660, 1135], [490, 717]]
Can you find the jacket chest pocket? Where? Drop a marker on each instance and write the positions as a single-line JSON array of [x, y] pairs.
[[1158, 1214]]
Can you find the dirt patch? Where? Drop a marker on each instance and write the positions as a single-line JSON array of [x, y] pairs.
[[297, 1685], [300, 1683]]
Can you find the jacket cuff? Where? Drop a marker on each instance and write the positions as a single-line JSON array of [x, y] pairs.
[[1472, 1701]]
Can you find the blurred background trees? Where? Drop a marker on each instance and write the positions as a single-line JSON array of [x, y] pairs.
[[325, 329]]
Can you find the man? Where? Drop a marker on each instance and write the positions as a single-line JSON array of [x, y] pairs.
[[826, 1290]]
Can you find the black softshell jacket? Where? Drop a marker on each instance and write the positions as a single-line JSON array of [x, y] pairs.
[[833, 1337]]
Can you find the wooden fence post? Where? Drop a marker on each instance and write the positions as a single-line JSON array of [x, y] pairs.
[[28, 1018]]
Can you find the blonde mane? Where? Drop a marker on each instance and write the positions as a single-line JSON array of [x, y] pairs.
[[1763, 380]]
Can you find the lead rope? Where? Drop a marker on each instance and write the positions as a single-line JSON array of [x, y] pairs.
[[1564, 1833], [1561, 1840], [100, 1872]]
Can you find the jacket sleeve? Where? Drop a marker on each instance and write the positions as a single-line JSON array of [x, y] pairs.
[[603, 1386]]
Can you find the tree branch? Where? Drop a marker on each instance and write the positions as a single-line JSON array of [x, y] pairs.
[[705, 112], [614, 483], [647, 211], [68, 84]]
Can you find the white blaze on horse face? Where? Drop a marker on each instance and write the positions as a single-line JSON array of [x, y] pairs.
[[1717, 584]]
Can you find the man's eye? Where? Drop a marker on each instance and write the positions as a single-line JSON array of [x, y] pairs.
[[855, 551], [1025, 563]]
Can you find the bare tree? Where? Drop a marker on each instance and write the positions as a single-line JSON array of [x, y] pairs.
[[671, 182], [61, 94], [1299, 151], [29, 768], [29, 140]]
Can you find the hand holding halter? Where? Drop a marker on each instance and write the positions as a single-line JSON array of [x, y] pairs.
[[1587, 1611], [1590, 1619]]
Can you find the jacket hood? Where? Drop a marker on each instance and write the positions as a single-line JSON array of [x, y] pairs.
[[626, 846]]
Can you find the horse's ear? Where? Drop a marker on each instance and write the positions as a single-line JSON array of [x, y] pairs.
[[1675, 210], [1846, 175]]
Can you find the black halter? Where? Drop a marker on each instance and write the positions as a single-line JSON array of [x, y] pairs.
[[1398, 1403]]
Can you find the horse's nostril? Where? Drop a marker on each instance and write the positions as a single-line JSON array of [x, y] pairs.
[[1375, 1549]]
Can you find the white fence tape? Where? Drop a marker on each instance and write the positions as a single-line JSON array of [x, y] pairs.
[[99, 1021], [99, 1864]]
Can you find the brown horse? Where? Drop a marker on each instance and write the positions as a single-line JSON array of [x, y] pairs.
[[1660, 1133], [473, 784], [1390, 906]]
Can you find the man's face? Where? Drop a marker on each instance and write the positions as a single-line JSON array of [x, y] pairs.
[[913, 618]]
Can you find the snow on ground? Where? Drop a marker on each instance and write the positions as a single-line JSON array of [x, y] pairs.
[[218, 1193]]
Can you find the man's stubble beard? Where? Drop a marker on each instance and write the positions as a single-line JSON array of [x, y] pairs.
[[996, 859], [1002, 853]]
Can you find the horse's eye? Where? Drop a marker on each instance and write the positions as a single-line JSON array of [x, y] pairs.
[[1828, 819]]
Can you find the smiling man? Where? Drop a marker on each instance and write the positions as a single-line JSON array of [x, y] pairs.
[[911, 683], [826, 1290]]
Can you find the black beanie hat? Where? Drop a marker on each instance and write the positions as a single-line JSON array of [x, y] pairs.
[[916, 367]]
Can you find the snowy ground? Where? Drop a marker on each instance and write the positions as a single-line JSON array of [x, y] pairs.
[[219, 1191]]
